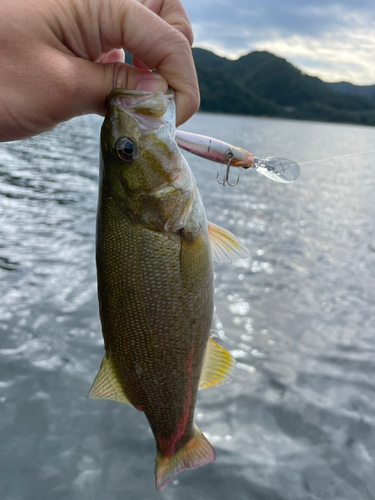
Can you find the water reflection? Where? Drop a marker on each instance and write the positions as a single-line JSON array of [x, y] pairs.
[[296, 421]]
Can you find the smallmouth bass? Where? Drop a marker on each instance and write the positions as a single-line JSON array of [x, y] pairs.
[[155, 252]]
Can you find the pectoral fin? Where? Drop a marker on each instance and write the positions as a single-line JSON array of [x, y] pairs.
[[224, 245], [107, 385], [218, 365]]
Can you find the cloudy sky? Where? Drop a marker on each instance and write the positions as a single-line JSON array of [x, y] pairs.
[[334, 40]]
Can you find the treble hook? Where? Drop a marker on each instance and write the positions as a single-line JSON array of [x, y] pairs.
[[229, 155]]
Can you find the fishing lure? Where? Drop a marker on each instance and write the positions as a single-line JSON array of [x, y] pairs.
[[277, 169]]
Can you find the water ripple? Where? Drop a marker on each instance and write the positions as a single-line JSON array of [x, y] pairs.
[[297, 419]]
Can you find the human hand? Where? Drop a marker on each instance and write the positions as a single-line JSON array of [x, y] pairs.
[[49, 52]]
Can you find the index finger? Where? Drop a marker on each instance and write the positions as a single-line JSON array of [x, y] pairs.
[[158, 45], [174, 13]]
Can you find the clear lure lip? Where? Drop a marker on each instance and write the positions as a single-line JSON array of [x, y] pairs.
[[277, 169]]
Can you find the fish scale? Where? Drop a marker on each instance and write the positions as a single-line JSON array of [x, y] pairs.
[[155, 279], [134, 287]]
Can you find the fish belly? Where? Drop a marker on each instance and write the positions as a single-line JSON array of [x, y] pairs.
[[156, 303]]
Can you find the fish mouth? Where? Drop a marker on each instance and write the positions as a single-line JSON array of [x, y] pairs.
[[141, 101], [124, 92], [118, 91], [149, 110]]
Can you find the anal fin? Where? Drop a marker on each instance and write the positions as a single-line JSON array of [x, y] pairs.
[[218, 365], [224, 245], [107, 384]]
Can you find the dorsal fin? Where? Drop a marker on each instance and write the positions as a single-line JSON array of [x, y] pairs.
[[224, 245], [218, 365], [107, 385]]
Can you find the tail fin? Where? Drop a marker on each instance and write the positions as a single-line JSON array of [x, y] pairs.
[[194, 454]]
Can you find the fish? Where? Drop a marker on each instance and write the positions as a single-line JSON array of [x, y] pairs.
[[154, 256]]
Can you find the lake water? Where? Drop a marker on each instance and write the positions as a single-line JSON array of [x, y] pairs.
[[297, 420]]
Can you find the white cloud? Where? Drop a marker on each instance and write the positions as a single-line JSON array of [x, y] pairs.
[[332, 39], [334, 57]]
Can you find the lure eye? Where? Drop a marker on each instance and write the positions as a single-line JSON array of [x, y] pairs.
[[125, 149]]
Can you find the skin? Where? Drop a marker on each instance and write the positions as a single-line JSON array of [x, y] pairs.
[[155, 285], [50, 50]]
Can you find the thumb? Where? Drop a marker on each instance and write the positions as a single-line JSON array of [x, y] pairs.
[[94, 81]]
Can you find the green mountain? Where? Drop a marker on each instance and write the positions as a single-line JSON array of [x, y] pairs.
[[231, 97], [261, 83], [348, 88]]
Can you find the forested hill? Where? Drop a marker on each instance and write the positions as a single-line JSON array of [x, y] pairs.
[[263, 84]]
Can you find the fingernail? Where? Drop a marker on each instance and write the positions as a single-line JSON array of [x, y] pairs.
[[152, 83]]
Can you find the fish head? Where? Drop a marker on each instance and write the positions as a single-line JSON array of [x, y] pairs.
[[147, 172]]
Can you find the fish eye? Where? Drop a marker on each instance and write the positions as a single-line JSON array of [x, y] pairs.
[[125, 149]]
